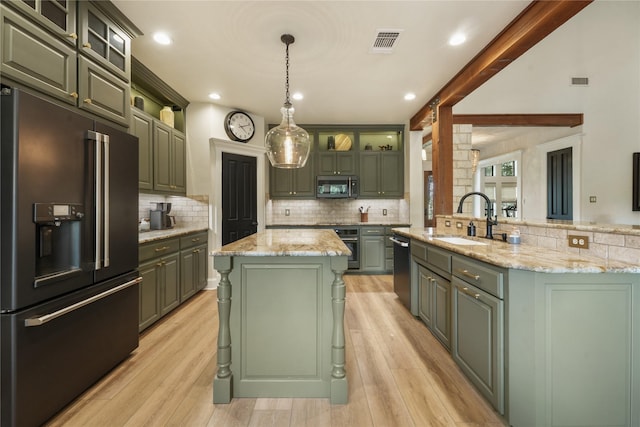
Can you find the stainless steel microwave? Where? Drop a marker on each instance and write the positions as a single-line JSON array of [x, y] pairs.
[[337, 187]]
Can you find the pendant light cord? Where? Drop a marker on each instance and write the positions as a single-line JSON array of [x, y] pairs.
[[287, 102]]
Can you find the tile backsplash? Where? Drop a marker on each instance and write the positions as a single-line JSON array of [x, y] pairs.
[[340, 211], [615, 242], [189, 210]]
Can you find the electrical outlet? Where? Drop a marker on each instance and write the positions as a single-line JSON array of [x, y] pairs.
[[447, 223], [287, 212], [384, 212], [581, 242], [593, 199], [459, 225]]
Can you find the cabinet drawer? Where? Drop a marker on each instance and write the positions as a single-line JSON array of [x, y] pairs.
[[158, 249], [193, 240], [419, 250], [478, 274], [439, 259], [372, 231]]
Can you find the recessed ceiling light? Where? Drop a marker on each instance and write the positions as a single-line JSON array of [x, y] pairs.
[[457, 39], [410, 96], [297, 96], [162, 38], [214, 95]]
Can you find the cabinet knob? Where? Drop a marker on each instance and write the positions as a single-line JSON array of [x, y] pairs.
[[87, 100], [295, 193], [74, 95], [87, 45], [73, 36], [159, 264]]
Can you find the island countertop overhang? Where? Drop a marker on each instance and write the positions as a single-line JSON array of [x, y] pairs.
[[291, 242], [522, 256]]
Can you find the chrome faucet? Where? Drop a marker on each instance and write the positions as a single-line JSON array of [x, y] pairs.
[[488, 209]]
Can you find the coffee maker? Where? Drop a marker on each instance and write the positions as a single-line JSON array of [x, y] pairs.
[[160, 218]]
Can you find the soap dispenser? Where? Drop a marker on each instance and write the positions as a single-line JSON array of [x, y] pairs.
[[471, 229]]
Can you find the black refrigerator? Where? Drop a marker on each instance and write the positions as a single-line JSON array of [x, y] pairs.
[[68, 255]]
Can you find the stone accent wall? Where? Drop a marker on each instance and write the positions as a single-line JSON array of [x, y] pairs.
[[462, 175], [615, 242]]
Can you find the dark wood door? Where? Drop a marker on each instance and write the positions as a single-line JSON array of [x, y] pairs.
[[560, 184], [239, 197]]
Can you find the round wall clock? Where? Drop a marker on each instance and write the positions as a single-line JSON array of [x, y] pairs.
[[239, 126]]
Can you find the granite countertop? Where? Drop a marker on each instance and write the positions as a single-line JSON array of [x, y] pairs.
[[340, 224], [152, 235], [298, 242], [522, 256]]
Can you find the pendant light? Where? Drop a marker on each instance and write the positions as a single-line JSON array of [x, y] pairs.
[[287, 144]]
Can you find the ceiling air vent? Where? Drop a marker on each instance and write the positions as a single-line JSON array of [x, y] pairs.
[[385, 41], [579, 81]]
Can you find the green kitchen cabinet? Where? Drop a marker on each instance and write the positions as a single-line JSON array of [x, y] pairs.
[[72, 51], [173, 270], [336, 151], [34, 57], [170, 283], [434, 289], [57, 17], [336, 163], [160, 269], [372, 249], [477, 339], [381, 174], [102, 93], [193, 264], [149, 299], [169, 159], [102, 40], [142, 127], [293, 183], [162, 154]]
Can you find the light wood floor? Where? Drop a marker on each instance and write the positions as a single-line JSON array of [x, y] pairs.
[[399, 375]]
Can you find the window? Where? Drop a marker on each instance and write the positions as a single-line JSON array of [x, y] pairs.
[[500, 182]]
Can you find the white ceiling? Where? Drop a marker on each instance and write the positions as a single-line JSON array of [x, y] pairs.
[[234, 48]]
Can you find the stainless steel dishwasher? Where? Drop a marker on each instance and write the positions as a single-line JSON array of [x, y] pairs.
[[402, 269]]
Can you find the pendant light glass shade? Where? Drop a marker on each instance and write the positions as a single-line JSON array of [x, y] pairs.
[[287, 144]]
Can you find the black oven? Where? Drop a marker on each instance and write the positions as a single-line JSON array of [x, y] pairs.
[[351, 238]]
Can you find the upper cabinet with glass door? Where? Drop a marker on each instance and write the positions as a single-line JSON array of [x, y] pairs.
[[58, 16], [104, 42]]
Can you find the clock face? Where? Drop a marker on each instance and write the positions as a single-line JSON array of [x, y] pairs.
[[239, 126]]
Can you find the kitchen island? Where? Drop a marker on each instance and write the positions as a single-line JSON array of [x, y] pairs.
[[548, 337], [281, 316]]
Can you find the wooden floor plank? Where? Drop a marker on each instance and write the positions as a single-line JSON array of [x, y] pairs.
[[398, 375]]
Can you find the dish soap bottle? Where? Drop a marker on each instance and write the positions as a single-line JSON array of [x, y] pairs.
[[471, 229]]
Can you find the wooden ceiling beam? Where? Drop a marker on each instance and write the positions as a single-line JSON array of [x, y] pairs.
[[564, 120], [538, 20]]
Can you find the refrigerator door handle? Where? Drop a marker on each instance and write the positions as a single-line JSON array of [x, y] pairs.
[[99, 199], [41, 320], [105, 201], [102, 159]]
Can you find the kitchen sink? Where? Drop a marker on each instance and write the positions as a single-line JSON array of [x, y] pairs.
[[459, 241]]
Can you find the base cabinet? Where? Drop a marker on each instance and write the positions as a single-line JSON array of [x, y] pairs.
[[477, 339], [372, 250], [545, 349], [434, 306], [172, 270]]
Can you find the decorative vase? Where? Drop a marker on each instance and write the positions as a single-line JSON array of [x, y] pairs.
[[167, 116]]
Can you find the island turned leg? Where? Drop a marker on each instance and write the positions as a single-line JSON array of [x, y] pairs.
[[339, 387], [223, 381]]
